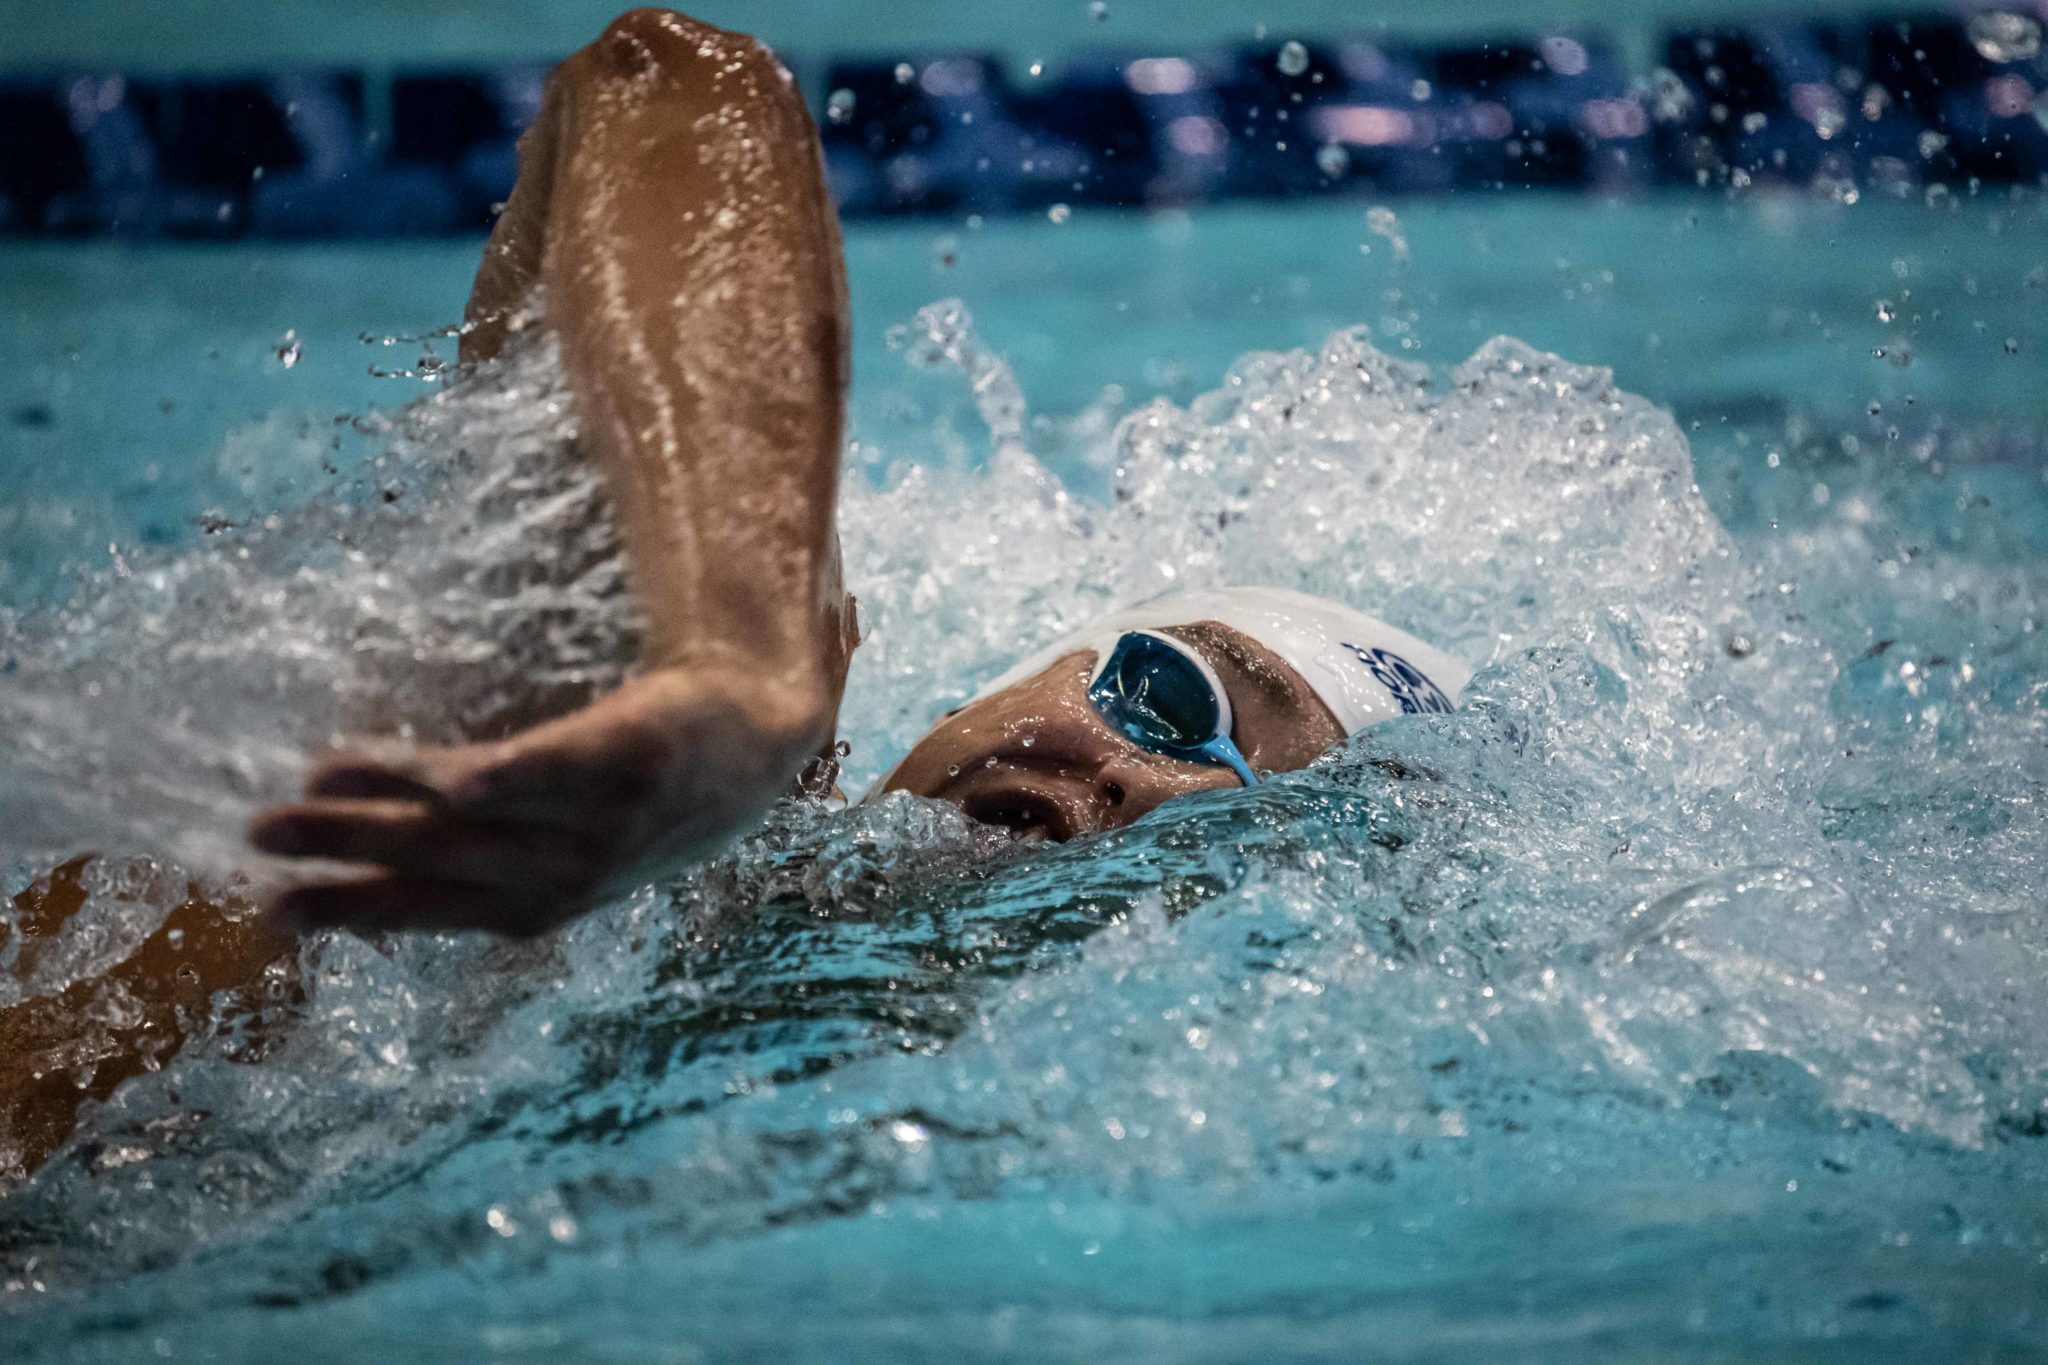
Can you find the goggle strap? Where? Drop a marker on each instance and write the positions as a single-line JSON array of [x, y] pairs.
[[1222, 750]]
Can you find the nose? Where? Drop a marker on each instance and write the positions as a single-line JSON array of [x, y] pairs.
[[1127, 786], [1087, 779]]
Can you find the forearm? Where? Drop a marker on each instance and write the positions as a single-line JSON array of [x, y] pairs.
[[671, 210], [672, 205]]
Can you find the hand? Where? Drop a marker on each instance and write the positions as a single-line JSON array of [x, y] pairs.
[[521, 836]]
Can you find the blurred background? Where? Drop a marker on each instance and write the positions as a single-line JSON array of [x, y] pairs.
[[310, 120], [222, 224]]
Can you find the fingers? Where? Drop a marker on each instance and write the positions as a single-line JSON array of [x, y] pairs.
[[388, 902], [366, 778], [425, 841], [565, 780]]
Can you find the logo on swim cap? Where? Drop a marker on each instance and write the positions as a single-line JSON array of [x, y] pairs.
[[1410, 686]]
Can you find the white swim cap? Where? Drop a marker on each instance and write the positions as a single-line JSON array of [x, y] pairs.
[[1364, 670]]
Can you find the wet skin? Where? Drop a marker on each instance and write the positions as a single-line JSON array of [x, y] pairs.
[[1038, 757], [672, 205]]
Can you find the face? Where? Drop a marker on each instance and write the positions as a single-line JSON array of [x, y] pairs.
[[1038, 757]]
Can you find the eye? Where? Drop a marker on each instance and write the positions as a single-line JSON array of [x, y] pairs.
[[1156, 693]]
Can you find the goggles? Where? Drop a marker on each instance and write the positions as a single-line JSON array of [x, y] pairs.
[[1165, 698]]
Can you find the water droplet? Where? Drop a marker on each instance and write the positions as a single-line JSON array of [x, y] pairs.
[[839, 106], [1670, 97], [1028, 741], [288, 349], [1332, 160], [1381, 220], [1037, 68], [905, 73], [1885, 310], [1059, 213], [2004, 37], [1293, 59], [1099, 11]]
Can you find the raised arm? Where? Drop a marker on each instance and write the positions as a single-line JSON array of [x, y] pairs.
[[671, 225]]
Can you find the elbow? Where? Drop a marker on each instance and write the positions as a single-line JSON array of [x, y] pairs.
[[650, 41]]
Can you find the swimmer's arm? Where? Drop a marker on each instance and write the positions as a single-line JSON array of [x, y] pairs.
[[672, 210]]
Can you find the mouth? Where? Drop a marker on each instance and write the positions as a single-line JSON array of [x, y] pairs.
[[1022, 809]]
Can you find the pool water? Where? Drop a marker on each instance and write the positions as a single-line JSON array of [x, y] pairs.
[[1678, 998]]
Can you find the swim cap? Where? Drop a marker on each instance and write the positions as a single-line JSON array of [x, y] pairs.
[[1364, 670]]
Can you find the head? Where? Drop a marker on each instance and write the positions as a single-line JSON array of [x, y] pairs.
[[1044, 750]]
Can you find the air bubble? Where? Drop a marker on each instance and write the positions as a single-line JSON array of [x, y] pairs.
[[1098, 10], [1381, 220], [1671, 98], [1059, 213], [2001, 36], [1293, 59], [288, 349], [839, 106], [1333, 161]]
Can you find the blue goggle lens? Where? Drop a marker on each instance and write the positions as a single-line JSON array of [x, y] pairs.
[[1156, 695]]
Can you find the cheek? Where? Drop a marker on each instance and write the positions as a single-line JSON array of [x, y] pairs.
[[930, 762], [1148, 786]]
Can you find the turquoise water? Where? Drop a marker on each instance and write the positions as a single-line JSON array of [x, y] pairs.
[[1677, 999], [154, 376]]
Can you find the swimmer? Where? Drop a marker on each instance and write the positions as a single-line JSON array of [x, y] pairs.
[[671, 224]]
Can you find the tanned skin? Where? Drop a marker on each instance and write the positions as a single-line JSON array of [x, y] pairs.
[[671, 225], [51, 1063], [672, 214], [1039, 758]]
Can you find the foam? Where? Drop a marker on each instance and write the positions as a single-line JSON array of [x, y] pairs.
[[1694, 862]]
